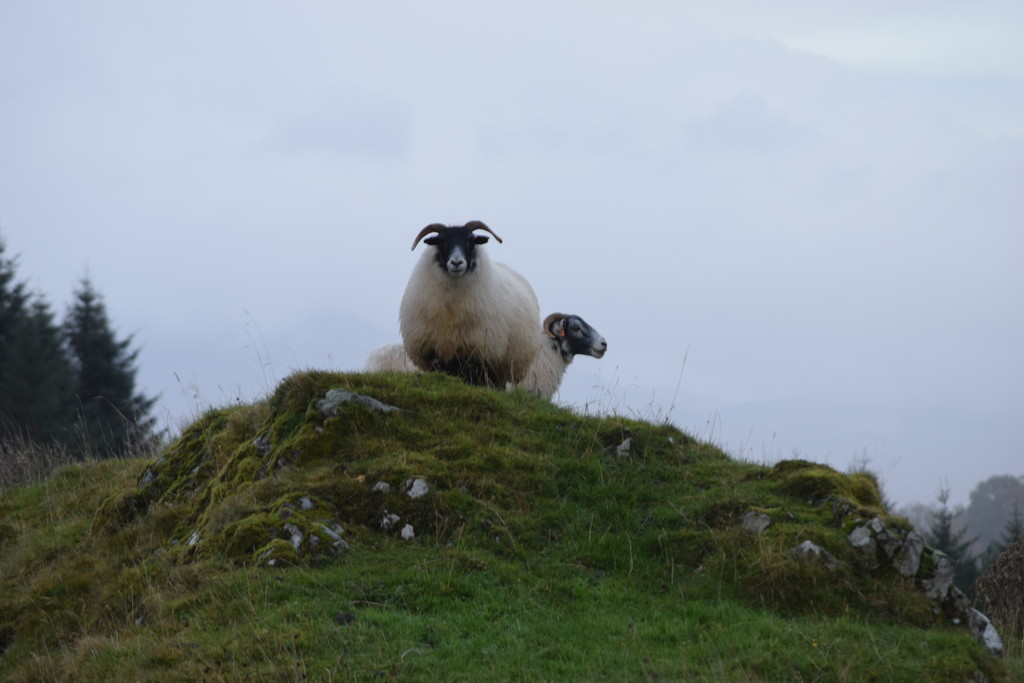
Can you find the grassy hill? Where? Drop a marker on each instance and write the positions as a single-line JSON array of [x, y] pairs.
[[467, 534]]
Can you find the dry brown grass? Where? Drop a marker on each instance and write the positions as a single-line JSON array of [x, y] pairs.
[[1003, 591]]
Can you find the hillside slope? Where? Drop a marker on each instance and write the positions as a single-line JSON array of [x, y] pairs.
[[419, 528]]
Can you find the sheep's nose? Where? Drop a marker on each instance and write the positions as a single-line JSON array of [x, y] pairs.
[[456, 263]]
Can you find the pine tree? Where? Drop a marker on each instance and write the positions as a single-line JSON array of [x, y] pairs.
[[41, 379], [35, 372], [1014, 529], [112, 415], [13, 316], [942, 537]]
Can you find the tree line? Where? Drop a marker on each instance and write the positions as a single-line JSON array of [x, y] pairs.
[[71, 383], [975, 535]]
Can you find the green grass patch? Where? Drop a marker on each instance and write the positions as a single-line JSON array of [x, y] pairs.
[[257, 546]]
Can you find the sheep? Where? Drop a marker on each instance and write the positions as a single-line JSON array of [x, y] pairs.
[[390, 358], [562, 338], [565, 336], [465, 315]]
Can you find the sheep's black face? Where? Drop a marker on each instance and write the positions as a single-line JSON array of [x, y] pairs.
[[575, 336], [455, 250]]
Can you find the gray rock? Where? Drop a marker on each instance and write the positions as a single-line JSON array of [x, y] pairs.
[[334, 532], [936, 587], [873, 536], [306, 503], [985, 632], [335, 398], [755, 522], [415, 488], [908, 559], [889, 542], [407, 532], [147, 478], [623, 448], [812, 552], [382, 486], [262, 444], [193, 539], [863, 540], [295, 536], [389, 520]]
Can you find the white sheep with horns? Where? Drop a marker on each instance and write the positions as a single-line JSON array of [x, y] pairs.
[[563, 337], [466, 315]]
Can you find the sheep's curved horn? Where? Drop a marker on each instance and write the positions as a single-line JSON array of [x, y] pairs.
[[479, 225], [433, 227], [550, 319]]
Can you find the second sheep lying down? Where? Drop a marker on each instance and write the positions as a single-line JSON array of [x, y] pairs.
[[563, 338]]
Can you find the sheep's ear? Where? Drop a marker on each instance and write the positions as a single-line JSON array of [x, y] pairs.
[[481, 239], [554, 325], [431, 241]]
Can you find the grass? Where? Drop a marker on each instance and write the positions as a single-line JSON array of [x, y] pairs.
[[540, 553]]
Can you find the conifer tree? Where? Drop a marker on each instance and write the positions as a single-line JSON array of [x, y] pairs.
[[1014, 529], [41, 380], [112, 414], [13, 313], [35, 372], [942, 537]]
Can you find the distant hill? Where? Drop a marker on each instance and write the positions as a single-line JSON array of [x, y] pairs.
[[362, 526]]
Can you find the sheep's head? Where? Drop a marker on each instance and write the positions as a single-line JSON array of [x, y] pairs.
[[455, 245], [574, 336]]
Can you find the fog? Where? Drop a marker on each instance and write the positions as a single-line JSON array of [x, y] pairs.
[[799, 228]]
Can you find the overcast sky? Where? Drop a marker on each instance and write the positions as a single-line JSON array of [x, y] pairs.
[[800, 227]]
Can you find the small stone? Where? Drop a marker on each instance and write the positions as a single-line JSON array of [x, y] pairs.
[[334, 533], [407, 532], [306, 503], [985, 632], [623, 448], [389, 520], [808, 550], [861, 539], [147, 478], [382, 487], [335, 398], [416, 488], [193, 539], [295, 534], [756, 522]]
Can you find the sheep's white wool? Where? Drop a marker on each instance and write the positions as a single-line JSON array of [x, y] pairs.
[[390, 358], [542, 379], [547, 371], [489, 315]]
